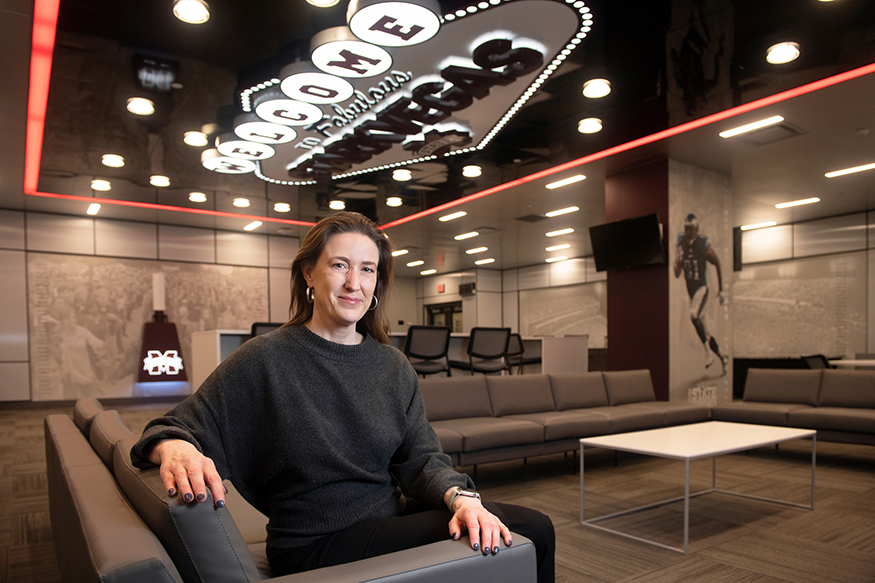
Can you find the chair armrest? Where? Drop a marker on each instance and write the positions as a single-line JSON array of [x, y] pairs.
[[435, 563]]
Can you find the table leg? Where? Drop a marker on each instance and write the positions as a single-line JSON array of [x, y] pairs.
[[581, 483], [813, 465], [687, 507]]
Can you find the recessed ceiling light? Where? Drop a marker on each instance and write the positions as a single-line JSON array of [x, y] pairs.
[[191, 11], [252, 226], [196, 139], [558, 247], [464, 236], [555, 259], [323, 3], [782, 53], [595, 88], [337, 205], [590, 125], [836, 173], [476, 250], [472, 171], [758, 226], [393, 201], [197, 197], [452, 216], [141, 106], [559, 232], [565, 211], [428, 272], [159, 180], [752, 126], [415, 263], [282, 207], [399, 252], [113, 160], [241, 202], [402, 175], [484, 261], [93, 209], [101, 185], [783, 205], [566, 181]]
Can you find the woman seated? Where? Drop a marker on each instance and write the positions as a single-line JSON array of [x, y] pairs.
[[321, 426]]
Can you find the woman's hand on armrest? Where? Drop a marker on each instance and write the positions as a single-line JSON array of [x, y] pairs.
[[484, 528], [186, 471]]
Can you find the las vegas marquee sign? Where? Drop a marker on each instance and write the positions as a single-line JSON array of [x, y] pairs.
[[401, 83]]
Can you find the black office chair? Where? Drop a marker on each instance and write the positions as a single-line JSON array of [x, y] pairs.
[[516, 354], [489, 347], [816, 361], [259, 328], [426, 347]]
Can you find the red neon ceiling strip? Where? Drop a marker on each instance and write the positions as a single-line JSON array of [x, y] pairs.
[[686, 127], [45, 24]]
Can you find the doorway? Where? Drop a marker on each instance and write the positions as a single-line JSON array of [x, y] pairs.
[[445, 315]]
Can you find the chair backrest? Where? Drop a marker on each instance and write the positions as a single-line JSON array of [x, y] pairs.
[[515, 345], [816, 361], [488, 343], [429, 342], [259, 328]]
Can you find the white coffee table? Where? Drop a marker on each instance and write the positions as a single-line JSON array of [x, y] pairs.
[[691, 442]]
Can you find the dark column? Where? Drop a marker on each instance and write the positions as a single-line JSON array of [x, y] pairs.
[[638, 297]]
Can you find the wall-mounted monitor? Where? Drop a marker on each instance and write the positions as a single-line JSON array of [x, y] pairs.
[[627, 243]]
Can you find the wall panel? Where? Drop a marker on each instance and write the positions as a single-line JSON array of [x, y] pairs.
[[125, 239]]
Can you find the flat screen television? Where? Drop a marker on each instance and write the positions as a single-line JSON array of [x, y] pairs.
[[627, 243]]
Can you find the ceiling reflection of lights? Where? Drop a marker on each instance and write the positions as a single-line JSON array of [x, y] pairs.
[[758, 226], [101, 185], [428, 272], [566, 181], [557, 247], [752, 126], [853, 170], [402, 175], [191, 11], [241, 202], [565, 211], [559, 232], [323, 3], [452, 216], [113, 160], [595, 88], [784, 205], [484, 261], [196, 139], [337, 205], [197, 197], [415, 263], [590, 125], [555, 259], [472, 171], [400, 252], [782, 53], [282, 207], [141, 106], [393, 201], [464, 236], [476, 250], [252, 226], [159, 181], [93, 209]]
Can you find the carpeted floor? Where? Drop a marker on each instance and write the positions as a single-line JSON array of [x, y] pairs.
[[732, 539]]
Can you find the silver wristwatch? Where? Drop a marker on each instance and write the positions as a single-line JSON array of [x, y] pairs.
[[461, 492]]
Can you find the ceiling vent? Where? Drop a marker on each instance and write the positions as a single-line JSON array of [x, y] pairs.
[[772, 134]]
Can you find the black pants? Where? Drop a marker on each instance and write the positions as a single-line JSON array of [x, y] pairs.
[[412, 529]]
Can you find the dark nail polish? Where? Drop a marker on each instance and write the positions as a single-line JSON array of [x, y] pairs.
[[220, 504], [171, 492], [486, 550], [476, 546], [201, 497], [455, 536], [188, 497], [510, 542], [494, 550]]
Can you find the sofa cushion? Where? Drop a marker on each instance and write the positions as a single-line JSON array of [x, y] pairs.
[[451, 442], [752, 412], [578, 390], [769, 385], [847, 388], [455, 397], [488, 432], [107, 428], [202, 540], [84, 411], [573, 423], [515, 395], [676, 413], [629, 386], [834, 418], [629, 418]]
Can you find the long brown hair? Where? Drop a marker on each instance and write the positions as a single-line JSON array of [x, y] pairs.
[[375, 322]]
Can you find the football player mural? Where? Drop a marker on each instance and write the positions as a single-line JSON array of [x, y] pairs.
[[694, 253]]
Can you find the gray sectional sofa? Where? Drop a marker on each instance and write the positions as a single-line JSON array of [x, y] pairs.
[[114, 523], [839, 404], [481, 419]]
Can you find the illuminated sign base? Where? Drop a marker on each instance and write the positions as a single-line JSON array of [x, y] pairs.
[[160, 355]]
